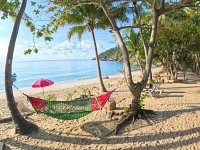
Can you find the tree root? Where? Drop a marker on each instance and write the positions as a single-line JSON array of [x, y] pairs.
[[124, 122], [131, 118]]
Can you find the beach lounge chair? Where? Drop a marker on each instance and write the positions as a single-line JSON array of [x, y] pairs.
[[157, 88], [152, 92]]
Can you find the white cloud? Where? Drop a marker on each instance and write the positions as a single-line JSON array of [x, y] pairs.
[[77, 49], [84, 45], [64, 46], [43, 45], [74, 47], [63, 50], [47, 51]]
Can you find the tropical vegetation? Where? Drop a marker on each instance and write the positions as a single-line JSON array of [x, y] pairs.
[[167, 33]]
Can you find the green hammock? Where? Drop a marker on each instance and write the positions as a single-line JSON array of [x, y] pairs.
[[68, 110]]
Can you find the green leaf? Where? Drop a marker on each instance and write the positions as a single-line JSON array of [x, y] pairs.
[[28, 23], [36, 11], [33, 3], [48, 38], [28, 51], [35, 50], [39, 34], [41, 6]]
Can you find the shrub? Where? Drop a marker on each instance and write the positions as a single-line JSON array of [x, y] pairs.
[[50, 98], [140, 104], [70, 95]]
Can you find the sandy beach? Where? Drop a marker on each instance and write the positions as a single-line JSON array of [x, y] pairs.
[[175, 123]]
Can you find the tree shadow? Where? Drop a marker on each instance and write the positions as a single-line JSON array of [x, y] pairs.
[[171, 94], [168, 95], [99, 129], [22, 145], [114, 140], [152, 117], [168, 145], [175, 88], [163, 115], [6, 147], [174, 92], [99, 133]]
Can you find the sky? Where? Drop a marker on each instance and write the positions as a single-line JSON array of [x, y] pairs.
[[59, 48]]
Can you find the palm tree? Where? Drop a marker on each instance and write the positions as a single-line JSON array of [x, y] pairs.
[[22, 126], [135, 50], [88, 17], [110, 8]]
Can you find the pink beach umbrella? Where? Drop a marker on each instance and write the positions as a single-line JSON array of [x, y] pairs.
[[40, 83]]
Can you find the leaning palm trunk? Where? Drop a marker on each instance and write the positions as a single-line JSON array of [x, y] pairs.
[[133, 88], [22, 126], [102, 87]]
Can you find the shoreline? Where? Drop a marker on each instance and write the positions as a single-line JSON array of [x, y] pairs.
[[67, 85], [57, 87]]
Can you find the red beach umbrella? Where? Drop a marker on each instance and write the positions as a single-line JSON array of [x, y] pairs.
[[40, 83]]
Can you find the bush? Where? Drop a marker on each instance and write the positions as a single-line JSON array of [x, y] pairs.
[[70, 95], [50, 98], [140, 104]]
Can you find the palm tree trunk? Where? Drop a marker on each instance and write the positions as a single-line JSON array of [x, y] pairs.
[[123, 48], [102, 87], [135, 90], [22, 126]]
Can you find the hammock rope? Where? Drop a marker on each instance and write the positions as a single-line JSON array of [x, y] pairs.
[[69, 110]]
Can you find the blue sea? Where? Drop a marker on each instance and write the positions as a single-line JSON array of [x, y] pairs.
[[59, 71]]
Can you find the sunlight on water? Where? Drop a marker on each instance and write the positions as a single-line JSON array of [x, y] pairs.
[[58, 71]]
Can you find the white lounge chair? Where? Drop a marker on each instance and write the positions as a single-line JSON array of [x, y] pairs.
[[152, 92]]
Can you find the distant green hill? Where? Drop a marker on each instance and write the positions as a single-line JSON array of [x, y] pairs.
[[113, 54]]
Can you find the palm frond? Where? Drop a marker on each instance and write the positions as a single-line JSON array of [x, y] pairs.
[[79, 30]]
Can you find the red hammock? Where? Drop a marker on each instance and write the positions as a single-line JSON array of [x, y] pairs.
[[96, 103]]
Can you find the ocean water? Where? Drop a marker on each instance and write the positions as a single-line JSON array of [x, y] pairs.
[[59, 71]]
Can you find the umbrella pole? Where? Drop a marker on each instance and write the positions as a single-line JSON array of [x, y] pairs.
[[43, 92]]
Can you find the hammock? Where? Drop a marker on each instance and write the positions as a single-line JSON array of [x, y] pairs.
[[69, 110]]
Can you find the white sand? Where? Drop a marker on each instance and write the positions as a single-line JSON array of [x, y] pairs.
[[175, 124]]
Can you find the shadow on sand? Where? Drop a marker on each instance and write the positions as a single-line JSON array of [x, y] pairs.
[[105, 135]]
